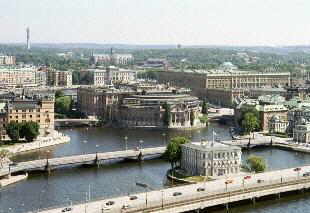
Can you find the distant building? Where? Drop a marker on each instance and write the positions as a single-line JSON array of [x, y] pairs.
[[210, 159], [28, 38], [18, 77], [276, 125], [58, 78], [115, 59], [7, 60], [41, 78], [98, 77], [207, 83], [155, 63], [119, 75]]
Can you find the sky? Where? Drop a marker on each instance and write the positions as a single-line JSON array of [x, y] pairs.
[[186, 22]]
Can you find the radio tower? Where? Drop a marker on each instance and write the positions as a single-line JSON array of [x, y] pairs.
[[28, 38]]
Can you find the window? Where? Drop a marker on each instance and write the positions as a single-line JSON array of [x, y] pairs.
[[16, 117], [23, 110], [38, 110]]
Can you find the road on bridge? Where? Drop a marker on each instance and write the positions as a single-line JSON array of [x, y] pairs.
[[195, 196]]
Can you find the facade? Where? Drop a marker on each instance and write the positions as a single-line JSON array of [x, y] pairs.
[[256, 92], [98, 102], [119, 75], [151, 109], [41, 78], [117, 59], [58, 78], [301, 133], [7, 60], [205, 84], [40, 111], [18, 77], [210, 159], [98, 77], [276, 125]]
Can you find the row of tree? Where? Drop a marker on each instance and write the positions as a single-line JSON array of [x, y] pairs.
[[28, 130]]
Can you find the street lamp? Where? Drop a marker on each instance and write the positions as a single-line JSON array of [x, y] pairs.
[[228, 182], [164, 136], [140, 144], [126, 138], [145, 186]]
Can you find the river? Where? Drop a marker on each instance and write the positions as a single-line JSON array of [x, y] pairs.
[[74, 184]]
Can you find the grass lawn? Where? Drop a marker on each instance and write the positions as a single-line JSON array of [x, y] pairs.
[[191, 178]]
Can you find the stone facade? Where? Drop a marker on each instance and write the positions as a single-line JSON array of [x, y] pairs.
[[207, 84], [210, 160], [301, 133], [40, 111], [7, 60], [149, 111], [276, 125], [58, 78], [18, 77]]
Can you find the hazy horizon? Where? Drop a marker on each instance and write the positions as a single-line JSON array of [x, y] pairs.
[[157, 22]]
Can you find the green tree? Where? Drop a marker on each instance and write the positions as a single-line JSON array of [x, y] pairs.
[[167, 115], [63, 105], [204, 107], [249, 123], [59, 93], [30, 130], [256, 163], [173, 152], [245, 109], [13, 130]]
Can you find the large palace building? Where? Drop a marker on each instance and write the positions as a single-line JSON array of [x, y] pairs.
[[160, 110], [228, 83]]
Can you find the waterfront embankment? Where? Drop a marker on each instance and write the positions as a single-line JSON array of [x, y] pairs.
[[54, 138]]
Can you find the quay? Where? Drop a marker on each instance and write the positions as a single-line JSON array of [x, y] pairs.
[[49, 164], [221, 192]]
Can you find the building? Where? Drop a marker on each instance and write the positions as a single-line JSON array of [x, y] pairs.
[[40, 111], [18, 76], [207, 83], [7, 60], [58, 78], [256, 92], [155, 63], [210, 159], [152, 109], [276, 125], [268, 107], [41, 78], [301, 133], [115, 59], [99, 102], [98, 77], [115, 75]]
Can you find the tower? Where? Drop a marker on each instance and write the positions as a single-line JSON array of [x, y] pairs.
[[28, 38]]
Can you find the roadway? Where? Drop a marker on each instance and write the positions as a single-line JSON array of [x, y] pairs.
[[189, 198], [80, 159]]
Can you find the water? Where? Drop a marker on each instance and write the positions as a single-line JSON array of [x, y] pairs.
[[72, 184]]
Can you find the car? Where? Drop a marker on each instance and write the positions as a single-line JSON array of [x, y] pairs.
[[247, 177], [306, 174], [110, 203], [126, 206], [105, 208], [67, 209], [260, 181], [177, 194], [133, 197], [200, 189]]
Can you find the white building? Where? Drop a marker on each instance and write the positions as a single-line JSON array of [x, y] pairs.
[[118, 75], [301, 133], [7, 60], [18, 76], [98, 76], [117, 59], [209, 159]]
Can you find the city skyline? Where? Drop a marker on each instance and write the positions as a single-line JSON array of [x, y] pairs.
[[203, 22]]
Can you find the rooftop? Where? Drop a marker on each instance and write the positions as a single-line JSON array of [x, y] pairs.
[[207, 146]]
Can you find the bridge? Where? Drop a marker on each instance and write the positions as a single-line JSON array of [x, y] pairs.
[[93, 158], [220, 192], [74, 122]]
